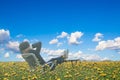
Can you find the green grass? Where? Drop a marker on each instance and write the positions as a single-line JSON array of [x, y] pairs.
[[65, 71]]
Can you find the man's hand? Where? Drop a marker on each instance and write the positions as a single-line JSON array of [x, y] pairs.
[[36, 44]]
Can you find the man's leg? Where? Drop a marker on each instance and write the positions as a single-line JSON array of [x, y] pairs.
[[54, 62]]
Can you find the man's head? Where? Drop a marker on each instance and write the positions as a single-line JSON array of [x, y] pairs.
[[24, 46]]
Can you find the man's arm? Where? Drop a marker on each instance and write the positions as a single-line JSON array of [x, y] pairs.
[[37, 46], [37, 51]]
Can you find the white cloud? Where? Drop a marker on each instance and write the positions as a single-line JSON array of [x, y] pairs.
[[20, 35], [52, 52], [14, 46], [59, 44], [54, 41], [4, 35], [101, 45], [72, 56], [73, 39], [19, 56], [77, 55], [7, 55], [93, 58], [109, 44], [105, 58], [34, 40], [26, 40], [82, 56], [2, 49], [97, 37], [63, 34]]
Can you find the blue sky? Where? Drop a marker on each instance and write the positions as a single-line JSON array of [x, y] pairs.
[[89, 28]]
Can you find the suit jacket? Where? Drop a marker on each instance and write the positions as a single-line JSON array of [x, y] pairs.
[[37, 52], [31, 59]]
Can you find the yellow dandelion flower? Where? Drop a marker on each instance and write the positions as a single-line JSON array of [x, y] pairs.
[[5, 79], [34, 77], [86, 78], [58, 79], [68, 76], [103, 74], [76, 74], [13, 73], [98, 69], [67, 72], [6, 74], [113, 76], [23, 78], [29, 76]]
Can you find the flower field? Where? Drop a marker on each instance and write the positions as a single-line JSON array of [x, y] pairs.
[[78, 70]]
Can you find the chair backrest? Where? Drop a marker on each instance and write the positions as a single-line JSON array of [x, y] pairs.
[[66, 52], [31, 59]]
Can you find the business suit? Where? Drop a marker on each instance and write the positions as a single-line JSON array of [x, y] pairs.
[[37, 52], [33, 57]]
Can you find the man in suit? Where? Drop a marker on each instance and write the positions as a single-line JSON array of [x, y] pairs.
[[31, 53], [32, 56]]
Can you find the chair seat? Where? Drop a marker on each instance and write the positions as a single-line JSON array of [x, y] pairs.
[[31, 59]]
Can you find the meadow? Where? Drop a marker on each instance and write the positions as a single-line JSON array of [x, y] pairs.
[[79, 70]]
